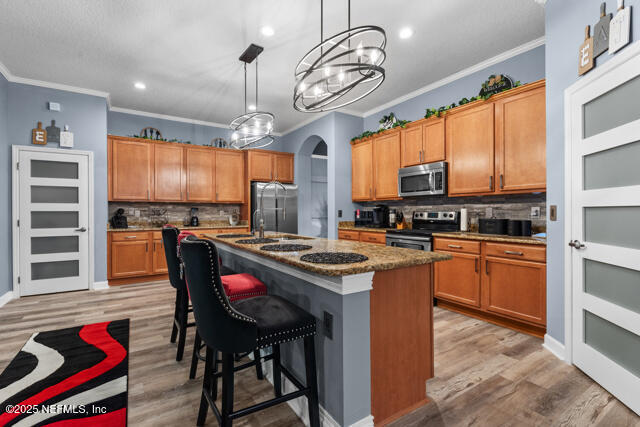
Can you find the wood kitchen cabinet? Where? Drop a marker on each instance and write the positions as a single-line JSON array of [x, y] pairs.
[[229, 177], [362, 171], [458, 279], [375, 237], [386, 162], [411, 146], [129, 254], [159, 259], [283, 167], [200, 166], [470, 150], [130, 170], [423, 143], [265, 165], [520, 140], [169, 171]]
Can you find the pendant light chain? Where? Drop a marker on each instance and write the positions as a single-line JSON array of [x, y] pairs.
[[245, 87], [256, 84]]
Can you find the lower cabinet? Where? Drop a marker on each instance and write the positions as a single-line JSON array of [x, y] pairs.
[[459, 279], [159, 258], [375, 237]]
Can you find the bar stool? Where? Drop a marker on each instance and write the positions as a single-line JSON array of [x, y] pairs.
[[244, 326]]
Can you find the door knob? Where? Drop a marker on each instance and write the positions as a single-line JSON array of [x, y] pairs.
[[576, 244], [81, 229]]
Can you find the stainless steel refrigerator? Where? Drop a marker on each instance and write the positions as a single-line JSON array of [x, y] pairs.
[[273, 219]]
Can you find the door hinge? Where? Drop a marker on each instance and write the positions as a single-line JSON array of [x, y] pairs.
[[18, 166], [18, 223], [18, 279]]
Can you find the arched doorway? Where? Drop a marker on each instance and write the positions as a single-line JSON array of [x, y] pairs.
[[312, 184]]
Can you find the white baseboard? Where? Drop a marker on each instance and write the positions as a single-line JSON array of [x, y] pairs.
[[100, 285], [554, 346], [300, 406], [8, 296]]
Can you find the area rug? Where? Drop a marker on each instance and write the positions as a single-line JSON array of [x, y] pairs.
[[69, 377]]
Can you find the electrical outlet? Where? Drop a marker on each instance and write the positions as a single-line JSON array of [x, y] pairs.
[[221, 213], [328, 325], [488, 212], [339, 213], [136, 212], [535, 212], [132, 211]]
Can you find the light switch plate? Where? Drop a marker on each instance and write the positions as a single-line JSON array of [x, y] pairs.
[[553, 212], [488, 212]]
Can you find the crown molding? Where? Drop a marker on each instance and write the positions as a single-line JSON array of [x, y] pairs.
[[460, 74]]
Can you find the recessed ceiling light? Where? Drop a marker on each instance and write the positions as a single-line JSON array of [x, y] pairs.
[[406, 32], [140, 85], [267, 31], [251, 107]]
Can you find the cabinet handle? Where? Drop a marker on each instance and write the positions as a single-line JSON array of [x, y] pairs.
[[370, 193], [513, 253], [146, 246], [420, 156], [216, 196], [476, 263], [130, 237], [154, 247], [180, 194], [486, 266], [491, 183], [455, 246], [187, 195], [501, 181], [148, 197]]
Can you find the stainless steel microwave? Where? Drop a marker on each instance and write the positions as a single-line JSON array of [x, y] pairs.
[[423, 180]]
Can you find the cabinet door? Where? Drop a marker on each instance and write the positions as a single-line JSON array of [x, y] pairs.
[[168, 175], [200, 174], [515, 288], [458, 279], [521, 142], [433, 141], [470, 150], [411, 147], [386, 162], [159, 258], [130, 259], [362, 171], [283, 167], [132, 170], [260, 166], [230, 176]]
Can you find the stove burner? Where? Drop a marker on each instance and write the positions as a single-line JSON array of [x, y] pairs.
[[285, 248], [334, 258], [233, 236], [255, 241]]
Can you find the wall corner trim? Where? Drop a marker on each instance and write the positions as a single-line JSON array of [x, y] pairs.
[[8, 296], [365, 422], [554, 346], [98, 286]]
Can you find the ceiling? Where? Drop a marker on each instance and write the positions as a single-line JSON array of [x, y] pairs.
[[186, 52]]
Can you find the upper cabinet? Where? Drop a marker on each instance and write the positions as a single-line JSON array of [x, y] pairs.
[[131, 167], [265, 165], [169, 181], [200, 162], [374, 168], [362, 171], [423, 142], [521, 142], [229, 176]]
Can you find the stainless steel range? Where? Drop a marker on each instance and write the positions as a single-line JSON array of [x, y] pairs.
[[424, 223]]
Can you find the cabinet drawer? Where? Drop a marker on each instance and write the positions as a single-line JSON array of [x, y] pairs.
[[515, 251], [129, 236], [349, 235], [456, 245], [231, 230], [157, 235], [379, 238]]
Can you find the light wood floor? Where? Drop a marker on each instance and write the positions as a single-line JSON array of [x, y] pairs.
[[485, 375]]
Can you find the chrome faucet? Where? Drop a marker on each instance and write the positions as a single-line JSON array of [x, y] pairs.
[[261, 208]]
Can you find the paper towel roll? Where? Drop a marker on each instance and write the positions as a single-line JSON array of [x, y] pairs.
[[464, 219]]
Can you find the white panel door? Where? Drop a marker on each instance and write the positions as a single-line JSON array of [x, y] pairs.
[[53, 218], [604, 120]]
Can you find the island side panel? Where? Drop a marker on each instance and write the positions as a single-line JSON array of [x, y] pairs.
[[401, 341]]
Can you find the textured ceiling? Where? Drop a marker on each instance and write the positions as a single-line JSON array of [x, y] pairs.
[[187, 51]]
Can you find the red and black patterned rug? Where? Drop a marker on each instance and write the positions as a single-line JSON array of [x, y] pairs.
[[69, 377]]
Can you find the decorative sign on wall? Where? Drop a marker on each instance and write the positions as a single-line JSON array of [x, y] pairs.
[[601, 32], [585, 54], [39, 135], [496, 84], [620, 28], [53, 133], [66, 138]]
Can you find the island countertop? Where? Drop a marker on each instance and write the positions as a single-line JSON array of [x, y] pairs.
[[381, 258]]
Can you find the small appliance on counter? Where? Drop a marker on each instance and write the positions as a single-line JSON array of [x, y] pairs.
[[118, 220], [492, 226], [519, 227], [234, 218], [423, 225], [380, 216], [363, 218], [194, 222], [392, 218]]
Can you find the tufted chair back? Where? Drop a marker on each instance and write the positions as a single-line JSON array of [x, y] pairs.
[[220, 325], [170, 241]]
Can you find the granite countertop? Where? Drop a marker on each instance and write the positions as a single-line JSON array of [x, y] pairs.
[[204, 226], [380, 257], [349, 226], [492, 237]]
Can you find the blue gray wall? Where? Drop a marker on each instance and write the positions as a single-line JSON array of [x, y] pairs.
[[565, 21], [86, 116], [526, 67], [5, 190]]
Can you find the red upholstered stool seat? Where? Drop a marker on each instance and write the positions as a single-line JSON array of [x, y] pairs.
[[241, 286]]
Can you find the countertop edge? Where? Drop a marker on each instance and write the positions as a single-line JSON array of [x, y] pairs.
[[491, 238]]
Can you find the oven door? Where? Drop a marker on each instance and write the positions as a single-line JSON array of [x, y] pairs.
[[410, 242]]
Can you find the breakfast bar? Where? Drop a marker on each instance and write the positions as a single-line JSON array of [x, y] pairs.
[[375, 340]]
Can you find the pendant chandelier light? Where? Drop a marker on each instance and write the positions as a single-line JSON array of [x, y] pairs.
[[341, 69], [251, 129]]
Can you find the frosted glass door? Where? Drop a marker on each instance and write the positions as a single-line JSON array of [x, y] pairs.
[[53, 222], [605, 230]]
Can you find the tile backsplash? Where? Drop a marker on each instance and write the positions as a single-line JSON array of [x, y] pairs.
[[175, 213], [512, 206]]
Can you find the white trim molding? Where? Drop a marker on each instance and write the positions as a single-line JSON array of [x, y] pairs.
[[6, 297], [99, 286], [554, 346]]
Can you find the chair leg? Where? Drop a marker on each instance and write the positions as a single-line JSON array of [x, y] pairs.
[[312, 381], [277, 373], [206, 387], [227, 389], [184, 318], [174, 330], [214, 385], [256, 357], [194, 356]]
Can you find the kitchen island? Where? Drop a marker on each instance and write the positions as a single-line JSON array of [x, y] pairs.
[[375, 322]]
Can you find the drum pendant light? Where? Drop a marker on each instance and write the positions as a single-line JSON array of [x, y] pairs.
[[251, 129], [341, 69]]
